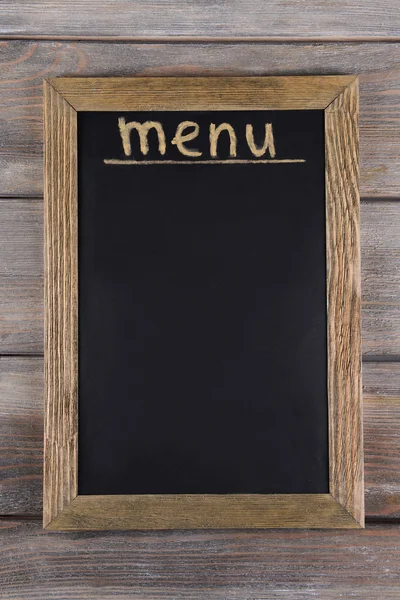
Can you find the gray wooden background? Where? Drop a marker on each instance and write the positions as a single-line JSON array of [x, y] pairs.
[[40, 38]]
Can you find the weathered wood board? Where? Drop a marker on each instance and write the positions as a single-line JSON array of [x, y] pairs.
[[211, 565], [21, 276], [25, 64], [382, 454], [129, 19], [21, 437]]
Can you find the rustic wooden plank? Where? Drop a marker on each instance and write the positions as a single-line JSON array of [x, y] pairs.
[[381, 378], [61, 300], [380, 268], [130, 19], [240, 565], [21, 437], [21, 277], [381, 383], [200, 93], [343, 293], [382, 456], [203, 511], [21, 313], [24, 64]]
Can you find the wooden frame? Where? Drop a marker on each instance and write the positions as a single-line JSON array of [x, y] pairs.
[[343, 507]]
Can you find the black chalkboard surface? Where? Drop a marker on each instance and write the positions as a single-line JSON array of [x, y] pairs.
[[202, 306]]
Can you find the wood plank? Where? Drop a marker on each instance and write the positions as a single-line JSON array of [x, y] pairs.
[[21, 277], [60, 481], [214, 565], [200, 93], [24, 64], [381, 379], [382, 456], [202, 511], [343, 297], [381, 384], [129, 19], [21, 437], [380, 269]]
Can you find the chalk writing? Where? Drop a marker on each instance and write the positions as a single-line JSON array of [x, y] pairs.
[[188, 131]]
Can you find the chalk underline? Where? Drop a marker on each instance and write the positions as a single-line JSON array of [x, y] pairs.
[[116, 161]]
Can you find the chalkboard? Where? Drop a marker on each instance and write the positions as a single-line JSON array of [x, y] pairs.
[[202, 292], [203, 334]]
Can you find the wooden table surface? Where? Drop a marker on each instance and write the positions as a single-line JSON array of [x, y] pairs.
[[44, 39]]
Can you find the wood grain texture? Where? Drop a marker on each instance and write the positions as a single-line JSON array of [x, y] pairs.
[[21, 276], [203, 511], [24, 64], [21, 437], [129, 19], [200, 93], [61, 306], [208, 565], [346, 475], [382, 456], [381, 378], [380, 264]]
